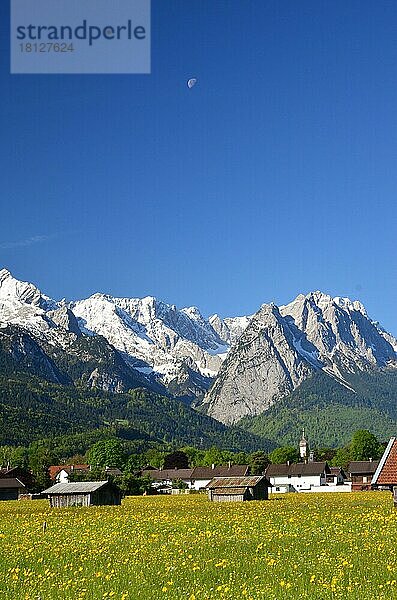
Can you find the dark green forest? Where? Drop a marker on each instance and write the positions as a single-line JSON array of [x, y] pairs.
[[33, 409], [330, 412]]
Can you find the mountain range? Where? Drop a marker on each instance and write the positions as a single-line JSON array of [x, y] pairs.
[[247, 369]]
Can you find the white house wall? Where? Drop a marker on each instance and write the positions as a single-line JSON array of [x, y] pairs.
[[345, 487], [303, 483], [62, 476]]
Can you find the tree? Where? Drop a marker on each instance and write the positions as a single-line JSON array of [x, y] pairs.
[[195, 456], [134, 463], [154, 457], [258, 462], [341, 458], [214, 456], [107, 453], [41, 457], [283, 455], [176, 460], [241, 458], [364, 445], [133, 486], [5, 455], [323, 454]]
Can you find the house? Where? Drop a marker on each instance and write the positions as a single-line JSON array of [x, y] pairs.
[[337, 476], [60, 473], [194, 479], [84, 493], [113, 472], [298, 477], [201, 476], [165, 479], [20, 473], [361, 473], [11, 488], [385, 476], [238, 489]]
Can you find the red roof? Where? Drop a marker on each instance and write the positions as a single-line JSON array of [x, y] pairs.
[[386, 474], [55, 469]]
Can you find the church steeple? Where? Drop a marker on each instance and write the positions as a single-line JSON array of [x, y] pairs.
[[303, 446]]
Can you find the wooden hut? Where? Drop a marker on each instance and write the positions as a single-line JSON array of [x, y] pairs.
[[84, 493], [238, 489], [11, 488]]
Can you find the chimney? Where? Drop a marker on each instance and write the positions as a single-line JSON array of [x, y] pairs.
[[229, 464], [213, 466], [288, 462], [370, 459]]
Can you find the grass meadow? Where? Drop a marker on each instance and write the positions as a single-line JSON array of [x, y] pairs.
[[292, 546]]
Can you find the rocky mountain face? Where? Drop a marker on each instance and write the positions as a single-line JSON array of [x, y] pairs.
[[342, 332], [230, 368], [152, 336], [126, 341], [282, 347]]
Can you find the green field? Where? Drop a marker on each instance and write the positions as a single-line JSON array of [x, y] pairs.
[[293, 546]]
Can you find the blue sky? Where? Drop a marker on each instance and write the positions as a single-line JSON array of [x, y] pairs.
[[275, 175]]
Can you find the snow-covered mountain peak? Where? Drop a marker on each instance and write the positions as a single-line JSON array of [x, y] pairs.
[[350, 305], [324, 302], [269, 308], [23, 304], [155, 333], [14, 290], [229, 329], [315, 298], [163, 342], [341, 330], [193, 313]]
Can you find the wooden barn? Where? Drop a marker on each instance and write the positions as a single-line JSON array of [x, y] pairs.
[[84, 493], [238, 489], [11, 488]]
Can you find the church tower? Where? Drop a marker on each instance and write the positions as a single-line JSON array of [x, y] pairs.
[[303, 447]]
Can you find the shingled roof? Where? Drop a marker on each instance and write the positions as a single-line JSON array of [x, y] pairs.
[[168, 474], [197, 473], [55, 469], [11, 483], [362, 467], [221, 471], [386, 473], [236, 484], [295, 469], [78, 487]]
